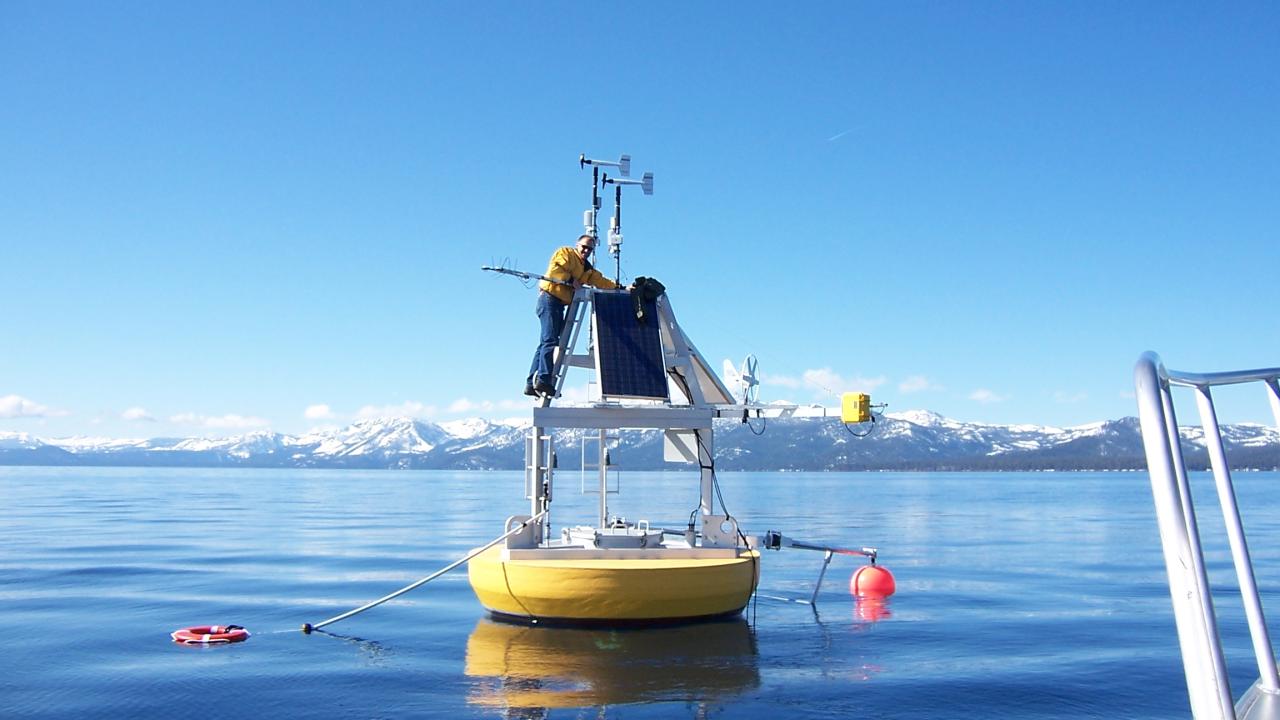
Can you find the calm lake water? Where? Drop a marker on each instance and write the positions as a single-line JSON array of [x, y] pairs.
[[1019, 596]]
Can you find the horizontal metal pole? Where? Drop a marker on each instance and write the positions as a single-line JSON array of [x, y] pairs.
[[1202, 380], [865, 552], [1190, 379], [734, 412], [616, 417]]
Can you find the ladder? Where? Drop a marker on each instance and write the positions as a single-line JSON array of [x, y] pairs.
[[600, 463], [539, 469], [593, 460]]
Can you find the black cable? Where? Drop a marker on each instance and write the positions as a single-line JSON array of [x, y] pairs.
[[715, 481], [533, 619], [862, 435], [715, 484]]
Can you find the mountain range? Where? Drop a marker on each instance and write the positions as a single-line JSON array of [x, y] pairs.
[[913, 440]]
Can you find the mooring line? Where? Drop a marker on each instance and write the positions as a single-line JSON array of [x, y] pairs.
[[308, 627]]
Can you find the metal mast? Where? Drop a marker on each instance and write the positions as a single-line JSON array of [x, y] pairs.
[[615, 224]]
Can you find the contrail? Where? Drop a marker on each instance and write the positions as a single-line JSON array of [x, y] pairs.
[[839, 135]]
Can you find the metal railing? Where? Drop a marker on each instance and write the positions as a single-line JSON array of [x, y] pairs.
[[1207, 682]]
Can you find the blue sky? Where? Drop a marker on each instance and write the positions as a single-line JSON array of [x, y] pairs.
[[231, 216]]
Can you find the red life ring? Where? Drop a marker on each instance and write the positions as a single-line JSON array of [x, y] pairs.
[[210, 635]]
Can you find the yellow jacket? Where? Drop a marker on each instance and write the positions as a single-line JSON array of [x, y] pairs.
[[567, 265]]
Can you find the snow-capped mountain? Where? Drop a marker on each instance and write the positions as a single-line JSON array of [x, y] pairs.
[[912, 440]]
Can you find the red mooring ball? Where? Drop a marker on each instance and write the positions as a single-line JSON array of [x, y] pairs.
[[872, 581]]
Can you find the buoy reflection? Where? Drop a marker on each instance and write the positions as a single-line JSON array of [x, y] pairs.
[[869, 610], [528, 667]]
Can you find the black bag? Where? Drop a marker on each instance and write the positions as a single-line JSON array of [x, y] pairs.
[[644, 291]]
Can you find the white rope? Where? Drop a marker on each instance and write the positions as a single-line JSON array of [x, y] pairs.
[[308, 627]]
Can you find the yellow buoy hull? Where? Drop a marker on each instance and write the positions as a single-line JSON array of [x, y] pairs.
[[613, 590]]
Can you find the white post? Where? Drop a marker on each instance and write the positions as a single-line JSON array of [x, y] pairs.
[[1267, 679], [540, 452], [1274, 395], [1205, 669], [534, 469], [604, 482], [702, 439]]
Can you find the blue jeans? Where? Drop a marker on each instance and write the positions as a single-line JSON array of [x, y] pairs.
[[551, 316]]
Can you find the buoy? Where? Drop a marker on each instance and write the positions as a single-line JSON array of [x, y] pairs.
[[210, 635], [872, 581]]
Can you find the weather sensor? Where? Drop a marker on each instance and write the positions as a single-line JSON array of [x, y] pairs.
[[624, 167], [615, 224]]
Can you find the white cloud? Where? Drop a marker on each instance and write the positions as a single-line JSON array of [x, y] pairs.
[[137, 414], [318, 412], [1067, 398], [824, 381], [221, 422], [782, 380], [235, 421], [917, 383], [462, 405], [16, 406], [466, 405], [405, 409], [986, 397], [829, 381], [574, 394]]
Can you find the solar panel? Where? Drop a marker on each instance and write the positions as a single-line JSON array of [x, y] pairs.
[[628, 351]]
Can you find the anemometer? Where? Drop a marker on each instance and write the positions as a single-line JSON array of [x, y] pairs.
[[615, 223], [598, 180]]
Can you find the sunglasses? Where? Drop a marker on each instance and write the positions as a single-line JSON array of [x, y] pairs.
[[587, 249]]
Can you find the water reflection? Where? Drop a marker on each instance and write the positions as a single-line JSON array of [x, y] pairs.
[[869, 610], [529, 670], [374, 652]]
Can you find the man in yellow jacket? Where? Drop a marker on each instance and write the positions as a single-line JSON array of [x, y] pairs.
[[571, 265]]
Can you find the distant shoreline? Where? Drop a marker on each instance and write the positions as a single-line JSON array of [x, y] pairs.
[[911, 442]]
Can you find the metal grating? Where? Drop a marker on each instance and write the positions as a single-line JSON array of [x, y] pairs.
[[628, 352]]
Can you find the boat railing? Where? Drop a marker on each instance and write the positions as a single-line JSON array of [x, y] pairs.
[[1207, 681]]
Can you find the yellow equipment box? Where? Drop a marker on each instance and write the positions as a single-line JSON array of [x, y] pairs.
[[855, 407]]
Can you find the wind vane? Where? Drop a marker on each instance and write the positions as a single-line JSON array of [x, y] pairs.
[[590, 225]]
